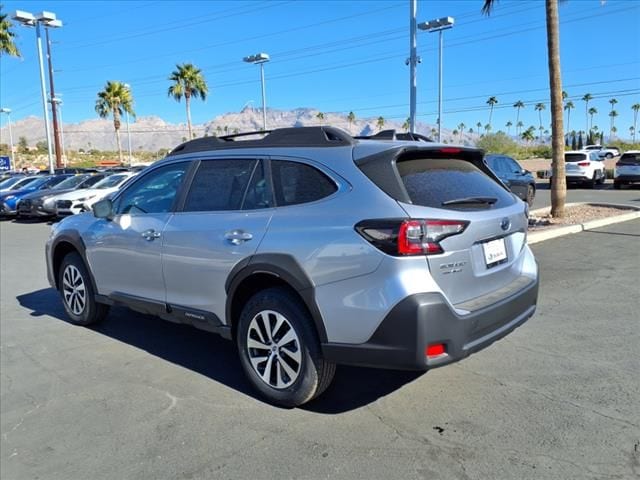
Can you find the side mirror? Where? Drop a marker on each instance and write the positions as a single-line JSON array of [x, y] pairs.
[[103, 209]]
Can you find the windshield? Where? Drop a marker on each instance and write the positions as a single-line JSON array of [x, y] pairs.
[[7, 182], [110, 181], [71, 182]]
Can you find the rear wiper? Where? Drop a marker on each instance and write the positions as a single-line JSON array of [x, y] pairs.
[[467, 200]]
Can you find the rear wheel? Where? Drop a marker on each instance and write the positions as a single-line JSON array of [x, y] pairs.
[[592, 183], [77, 292], [603, 177], [617, 185], [609, 155], [279, 349]]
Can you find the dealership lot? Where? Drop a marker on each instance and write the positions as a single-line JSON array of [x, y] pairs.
[[140, 398]]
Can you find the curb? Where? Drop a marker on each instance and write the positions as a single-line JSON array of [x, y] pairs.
[[536, 237]]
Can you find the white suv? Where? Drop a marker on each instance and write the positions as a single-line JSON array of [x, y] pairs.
[[603, 152], [584, 166]]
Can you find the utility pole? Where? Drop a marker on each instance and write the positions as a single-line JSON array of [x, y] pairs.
[[54, 106]]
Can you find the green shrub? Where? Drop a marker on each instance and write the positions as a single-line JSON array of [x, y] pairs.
[[498, 143]]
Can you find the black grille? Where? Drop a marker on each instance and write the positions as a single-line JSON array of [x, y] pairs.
[[63, 203]]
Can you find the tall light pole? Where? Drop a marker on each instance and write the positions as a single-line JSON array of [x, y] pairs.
[[438, 25], [58, 103], [128, 87], [412, 61], [8, 112], [48, 19], [260, 59]]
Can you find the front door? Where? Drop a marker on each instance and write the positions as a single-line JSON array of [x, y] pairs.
[[125, 252]]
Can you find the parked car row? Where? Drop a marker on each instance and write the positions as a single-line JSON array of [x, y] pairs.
[[42, 195]]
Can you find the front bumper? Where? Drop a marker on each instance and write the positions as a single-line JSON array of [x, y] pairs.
[[33, 209], [6, 210], [427, 318]]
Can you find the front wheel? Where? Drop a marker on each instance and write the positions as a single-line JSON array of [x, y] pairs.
[[77, 292], [279, 349]]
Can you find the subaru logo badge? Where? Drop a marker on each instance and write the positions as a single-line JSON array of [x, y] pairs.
[[505, 224]]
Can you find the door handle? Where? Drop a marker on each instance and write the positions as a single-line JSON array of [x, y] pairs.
[[238, 236], [150, 235]]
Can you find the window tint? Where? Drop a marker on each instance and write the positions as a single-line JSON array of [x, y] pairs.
[[574, 157], [92, 180], [512, 165], [431, 182], [296, 183], [219, 185], [153, 193], [258, 194], [630, 158]]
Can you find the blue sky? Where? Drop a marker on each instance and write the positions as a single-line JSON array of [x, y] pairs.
[[336, 56]]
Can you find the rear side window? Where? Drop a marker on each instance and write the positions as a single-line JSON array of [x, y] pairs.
[[296, 183], [433, 182], [574, 157], [219, 185], [630, 158]]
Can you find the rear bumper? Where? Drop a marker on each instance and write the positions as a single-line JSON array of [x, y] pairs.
[[426, 318], [575, 178], [627, 178]]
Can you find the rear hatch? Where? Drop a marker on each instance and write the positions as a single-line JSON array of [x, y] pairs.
[[441, 187], [629, 164], [576, 162]]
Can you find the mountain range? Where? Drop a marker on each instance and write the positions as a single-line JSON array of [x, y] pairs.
[[153, 133]]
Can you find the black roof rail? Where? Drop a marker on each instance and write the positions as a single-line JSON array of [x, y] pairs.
[[393, 135], [280, 137]]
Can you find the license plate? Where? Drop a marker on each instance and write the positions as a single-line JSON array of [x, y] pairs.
[[495, 252], [572, 167]]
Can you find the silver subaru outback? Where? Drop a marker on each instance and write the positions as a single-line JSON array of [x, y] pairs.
[[309, 248]]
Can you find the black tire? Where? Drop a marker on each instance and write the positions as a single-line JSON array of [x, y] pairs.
[[617, 185], [592, 183], [312, 373], [609, 155], [603, 178], [76, 290], [531, 195]]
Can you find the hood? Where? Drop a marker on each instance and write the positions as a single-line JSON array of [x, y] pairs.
[[81, 193]]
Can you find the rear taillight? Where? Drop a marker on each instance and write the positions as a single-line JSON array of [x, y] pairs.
[[409, 237], [584, 164]]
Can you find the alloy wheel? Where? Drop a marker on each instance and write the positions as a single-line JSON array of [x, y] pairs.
[[74, 291], [274, 349]]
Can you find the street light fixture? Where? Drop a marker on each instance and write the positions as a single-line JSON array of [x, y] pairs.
[[260, 59], [128, 87], [8, 112], [438, 25], [48, 19]]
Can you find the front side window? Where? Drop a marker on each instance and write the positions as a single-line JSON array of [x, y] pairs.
[[296, 183], [153, 193], [220, 185]]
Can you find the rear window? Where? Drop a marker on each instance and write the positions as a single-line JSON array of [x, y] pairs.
[[630, 158], [574, 157], [433, 182]]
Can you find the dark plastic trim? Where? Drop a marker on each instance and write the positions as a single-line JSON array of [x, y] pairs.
[[282, 266], [426, 318]]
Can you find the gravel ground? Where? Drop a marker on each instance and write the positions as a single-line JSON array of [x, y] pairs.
[[574, 215]]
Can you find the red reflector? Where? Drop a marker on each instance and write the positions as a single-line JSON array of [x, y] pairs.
[[450, 150], [435, 350], [584, 164]]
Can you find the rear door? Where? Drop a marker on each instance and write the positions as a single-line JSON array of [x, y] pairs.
[[225, 216], [488, 254]]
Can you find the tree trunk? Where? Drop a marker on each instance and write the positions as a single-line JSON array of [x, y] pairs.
[[187, 98], [116, 125], [559, 186]]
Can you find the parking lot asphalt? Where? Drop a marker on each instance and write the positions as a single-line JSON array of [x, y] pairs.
[[139, 398], [630, 195]]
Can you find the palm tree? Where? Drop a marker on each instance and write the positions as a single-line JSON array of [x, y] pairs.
[[380, 122], [114, 100], [592, 111], [491, 102], [539, 108], [564, 95], [479, 125], [351, 118], [406, 125], [518, 105], [455, 132], [613, 101], [587, 97], [320, 117], [519, 126], [434, 131], [613, 114], [635, 107], [632, 132], [188, 82], [7, 45], [509, 125], [527, 135], [559, 187], [461, 127], [568, 107], [487, 128]]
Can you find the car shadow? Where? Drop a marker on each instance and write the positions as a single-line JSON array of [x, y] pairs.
[[216, 358]]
